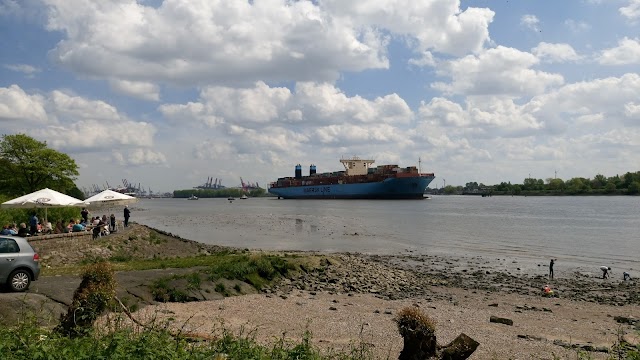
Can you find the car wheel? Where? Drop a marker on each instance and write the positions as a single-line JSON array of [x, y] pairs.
[[19, 280]]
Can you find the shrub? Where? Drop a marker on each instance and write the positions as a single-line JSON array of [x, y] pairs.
[[90, 300]]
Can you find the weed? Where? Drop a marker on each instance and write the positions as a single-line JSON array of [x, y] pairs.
[[194, 281], [121, 256]]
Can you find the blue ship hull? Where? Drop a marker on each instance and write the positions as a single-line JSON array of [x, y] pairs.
[[391, 188]]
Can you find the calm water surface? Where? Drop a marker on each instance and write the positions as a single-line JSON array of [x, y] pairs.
[[582, 232]]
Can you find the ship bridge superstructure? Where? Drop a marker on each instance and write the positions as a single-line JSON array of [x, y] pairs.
[[355, 166]]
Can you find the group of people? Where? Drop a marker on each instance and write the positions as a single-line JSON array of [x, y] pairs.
[[605, 271], [99, 225], [36, 227]]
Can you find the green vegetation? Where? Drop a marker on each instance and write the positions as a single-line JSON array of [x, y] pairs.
[[29, 165], [256, 270], [627, 184], [55, 214], [29, 341], [218, 193], [94, 295]]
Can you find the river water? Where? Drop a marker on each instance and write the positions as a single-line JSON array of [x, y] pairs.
[[520, 233]]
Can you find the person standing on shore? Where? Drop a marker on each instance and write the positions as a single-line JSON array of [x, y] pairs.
[[551, 268], [605, 271], [33, 224], [85, 215], [626, 276], [127, 214]]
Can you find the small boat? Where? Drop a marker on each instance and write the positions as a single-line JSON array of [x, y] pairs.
[[231, 198], [243, 197], [192, 197]]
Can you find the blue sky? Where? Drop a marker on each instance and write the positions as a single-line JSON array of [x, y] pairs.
[[169, 93]]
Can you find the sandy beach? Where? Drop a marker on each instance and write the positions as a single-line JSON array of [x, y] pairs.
[[350, 300]]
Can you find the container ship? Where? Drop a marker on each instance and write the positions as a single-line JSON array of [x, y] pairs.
[[358, 181]]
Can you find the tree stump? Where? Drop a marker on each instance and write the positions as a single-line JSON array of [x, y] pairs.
[[418, 333], [459, 349]]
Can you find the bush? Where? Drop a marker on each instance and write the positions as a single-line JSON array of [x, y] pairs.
[[94, 295]]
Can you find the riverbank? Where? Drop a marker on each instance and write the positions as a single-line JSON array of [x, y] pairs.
[[349, 299]]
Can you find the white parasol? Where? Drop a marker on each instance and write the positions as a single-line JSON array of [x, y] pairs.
[[111, 198], [44, 198]]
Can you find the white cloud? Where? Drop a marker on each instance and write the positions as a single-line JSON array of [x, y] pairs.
[[426, 59], [632, 110], [67, 107], [627, 52], [205, 42], [440, 25], [530, 21], [26, 69], [138, 157], [488, 117], [221, 42], [555, 52], [631, 11], [312, 104], [140, 90], [70, 122], [15, 104], [576, 26], [497, 71]]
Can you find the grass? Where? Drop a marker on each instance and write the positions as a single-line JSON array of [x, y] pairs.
[[256, 270], [29, 341], [222, 264]]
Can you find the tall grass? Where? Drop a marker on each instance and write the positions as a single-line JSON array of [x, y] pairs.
[[28, 341]]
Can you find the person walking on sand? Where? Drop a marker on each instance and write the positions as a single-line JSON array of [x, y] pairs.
[[551, 268], [605, 271], [127, 214]]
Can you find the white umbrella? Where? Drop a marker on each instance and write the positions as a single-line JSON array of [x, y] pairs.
[[44, 198], [110, 197]]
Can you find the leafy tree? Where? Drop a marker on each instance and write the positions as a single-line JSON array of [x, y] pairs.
[[555, 184], [531, 184], [517, 190], [598, 181], [634, 188], [450, 190], [610, 187], [29, 165]]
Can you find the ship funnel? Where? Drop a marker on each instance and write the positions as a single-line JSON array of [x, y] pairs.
[[298, 171], [312, 169]]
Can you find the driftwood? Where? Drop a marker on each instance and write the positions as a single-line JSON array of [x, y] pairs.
[[459, 349], [418, 333]]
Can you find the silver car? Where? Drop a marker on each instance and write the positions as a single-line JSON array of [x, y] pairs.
[[19, 263]]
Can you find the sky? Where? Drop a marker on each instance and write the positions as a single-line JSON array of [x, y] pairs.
[[169, 93]]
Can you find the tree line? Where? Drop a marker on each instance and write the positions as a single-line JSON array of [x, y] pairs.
[[627, 184], [218, 193]]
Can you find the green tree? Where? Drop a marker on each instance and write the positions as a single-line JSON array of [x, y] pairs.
[[634, 188], [29, 165], [555, 184], [610, 187], [598, 181], [450, 190]]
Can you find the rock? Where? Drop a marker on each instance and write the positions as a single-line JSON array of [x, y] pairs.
[[333, 308], [494, 305], [625, 320], [500, 320]]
